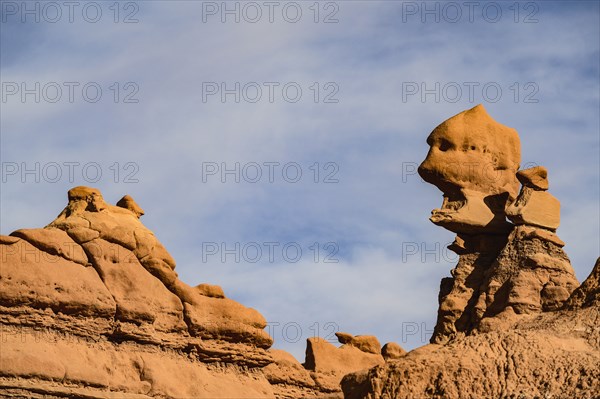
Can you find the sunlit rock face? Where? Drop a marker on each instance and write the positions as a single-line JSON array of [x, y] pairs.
[[513, 321], [504, 268], [473, 160]]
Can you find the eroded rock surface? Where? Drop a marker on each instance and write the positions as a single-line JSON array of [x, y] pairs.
[[329, 363], [473, 160], [513, 321], [544, 355], [91, 305]]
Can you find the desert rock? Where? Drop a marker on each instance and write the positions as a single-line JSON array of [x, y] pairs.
[[512, 319], [366, 343], [93, 301], [329, 363], [534, 205], [536, 178], [392, 351], [473, 160], [128, 203]]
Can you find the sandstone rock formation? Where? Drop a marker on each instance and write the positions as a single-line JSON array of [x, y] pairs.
[[544, 355], [501, 268], [473, 160], [534, 205], [512, 321], [91, 307], [329, 363], [392, 351]]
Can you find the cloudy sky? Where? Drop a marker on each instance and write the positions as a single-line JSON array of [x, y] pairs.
[[273, 146]]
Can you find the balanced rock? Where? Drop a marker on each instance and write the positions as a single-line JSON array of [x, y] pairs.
[[535, 206], [536, 178], [512, 318], [502, 271]]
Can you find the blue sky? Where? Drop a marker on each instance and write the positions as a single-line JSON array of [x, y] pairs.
[[363, 130]]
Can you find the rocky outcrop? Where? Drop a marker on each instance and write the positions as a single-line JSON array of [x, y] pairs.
[[513, 321], [91, 306], [588, 294], [545, 355], [530, 274], [326, 365], [503, 268], [329, 363], [534, 205]]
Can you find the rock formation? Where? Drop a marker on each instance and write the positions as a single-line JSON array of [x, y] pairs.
[[501, 268], [512, 321], [544, 355], [326, 365], [473, 159], [91, 306]]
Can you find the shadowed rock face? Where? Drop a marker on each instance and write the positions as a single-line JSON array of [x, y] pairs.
[[473, 159]]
